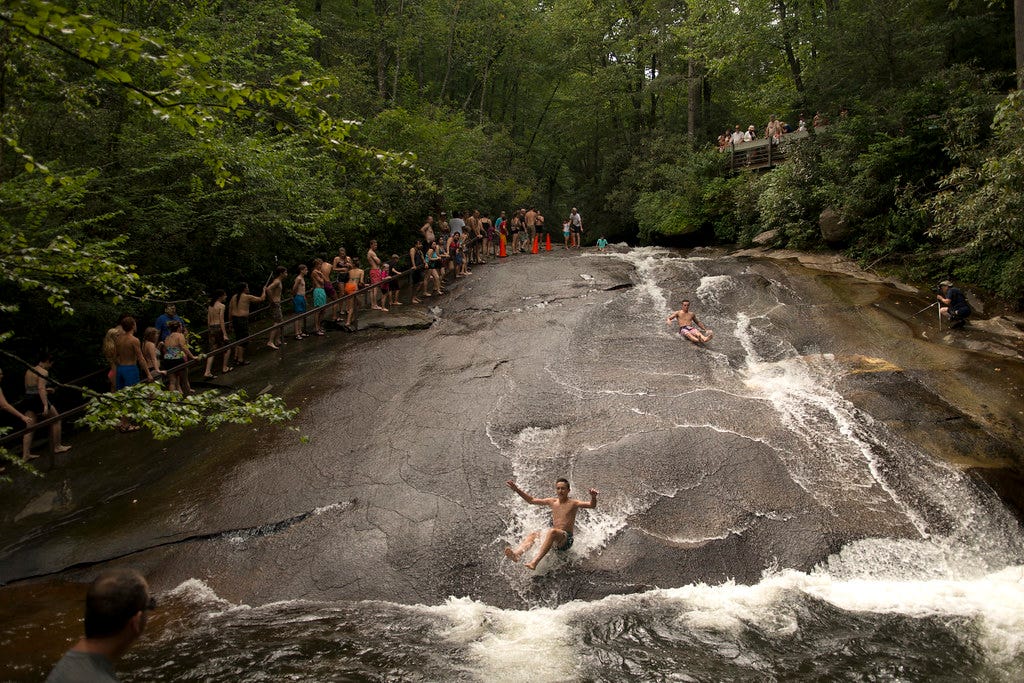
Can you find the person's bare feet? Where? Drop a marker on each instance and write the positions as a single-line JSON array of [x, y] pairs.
[[709, 335], [511, 554], [61, 449], [30, 456], [531, 565]]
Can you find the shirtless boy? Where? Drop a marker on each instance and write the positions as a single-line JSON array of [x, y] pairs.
[[274, 291], [688, 324], [299, 300], [129, 356], [563, 519]]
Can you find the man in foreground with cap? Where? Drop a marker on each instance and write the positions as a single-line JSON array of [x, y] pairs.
[[954, 304], [115, 616]]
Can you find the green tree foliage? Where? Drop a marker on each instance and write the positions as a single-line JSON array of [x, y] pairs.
[[980, 209], [166, 148], [94, 114]]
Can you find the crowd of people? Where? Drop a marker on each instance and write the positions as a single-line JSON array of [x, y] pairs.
[[330, 290], [773, 130]]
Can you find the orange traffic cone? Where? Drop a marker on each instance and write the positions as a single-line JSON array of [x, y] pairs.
[[536, 245], [547, 243], [501, 251]]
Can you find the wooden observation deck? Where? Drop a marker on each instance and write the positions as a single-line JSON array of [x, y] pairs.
[[762, 154]]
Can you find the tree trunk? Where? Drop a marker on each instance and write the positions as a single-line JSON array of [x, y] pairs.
[[787, 43], [1018, 34], [318, 46], [448, 50], [398, 51], [653, 113], [544, 113], [692, 97]]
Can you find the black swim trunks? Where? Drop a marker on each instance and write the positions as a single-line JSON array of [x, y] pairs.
[[568, 542]]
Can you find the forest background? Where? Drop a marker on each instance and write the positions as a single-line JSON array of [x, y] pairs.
[[160, 149]]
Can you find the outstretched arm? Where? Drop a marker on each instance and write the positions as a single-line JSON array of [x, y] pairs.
[[140, 359], [524, 495], [672, 317], [593, 500], [699, 324]]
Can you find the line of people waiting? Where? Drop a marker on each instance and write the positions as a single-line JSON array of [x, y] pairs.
[[468, 238]]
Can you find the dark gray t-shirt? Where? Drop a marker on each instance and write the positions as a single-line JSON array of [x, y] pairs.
[[82, 667]]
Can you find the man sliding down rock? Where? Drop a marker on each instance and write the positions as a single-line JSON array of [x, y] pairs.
[[688, 324], [563, 519]]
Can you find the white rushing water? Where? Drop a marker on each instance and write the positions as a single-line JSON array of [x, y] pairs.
[[961, 576]]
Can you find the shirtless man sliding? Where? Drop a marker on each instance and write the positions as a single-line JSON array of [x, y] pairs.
[[688, 324], [563, 519]]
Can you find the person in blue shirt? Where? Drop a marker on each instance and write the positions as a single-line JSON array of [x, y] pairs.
[[602, 244], [170, 313]]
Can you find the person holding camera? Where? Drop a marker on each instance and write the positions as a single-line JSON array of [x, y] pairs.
[[954, 304]]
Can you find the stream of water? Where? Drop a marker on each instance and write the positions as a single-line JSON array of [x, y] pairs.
[[936, 594]]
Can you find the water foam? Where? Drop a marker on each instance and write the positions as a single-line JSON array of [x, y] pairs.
[[510, 645], [712, 287], [545, 643]]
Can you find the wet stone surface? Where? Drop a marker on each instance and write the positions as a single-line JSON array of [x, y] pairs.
[[788, 436]]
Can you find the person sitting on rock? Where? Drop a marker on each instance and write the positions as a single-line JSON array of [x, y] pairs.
[[688, 324]]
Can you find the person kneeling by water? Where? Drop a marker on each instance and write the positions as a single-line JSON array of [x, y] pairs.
[[955, 306], [563, 519]]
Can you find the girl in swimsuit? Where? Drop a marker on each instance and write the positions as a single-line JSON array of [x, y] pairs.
[[341, 266], [455, 255], [110, 352], [392, 271], [176, 352], [26, 439], [149, 350], [355, 279], [434, 268], [37, 393]]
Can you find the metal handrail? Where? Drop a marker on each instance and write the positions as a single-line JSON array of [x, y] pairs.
[[187, 365]]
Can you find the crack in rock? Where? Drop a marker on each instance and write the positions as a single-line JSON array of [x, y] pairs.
[[243, 533]]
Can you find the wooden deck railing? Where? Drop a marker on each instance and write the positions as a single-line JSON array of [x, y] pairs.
[[763, 154]]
